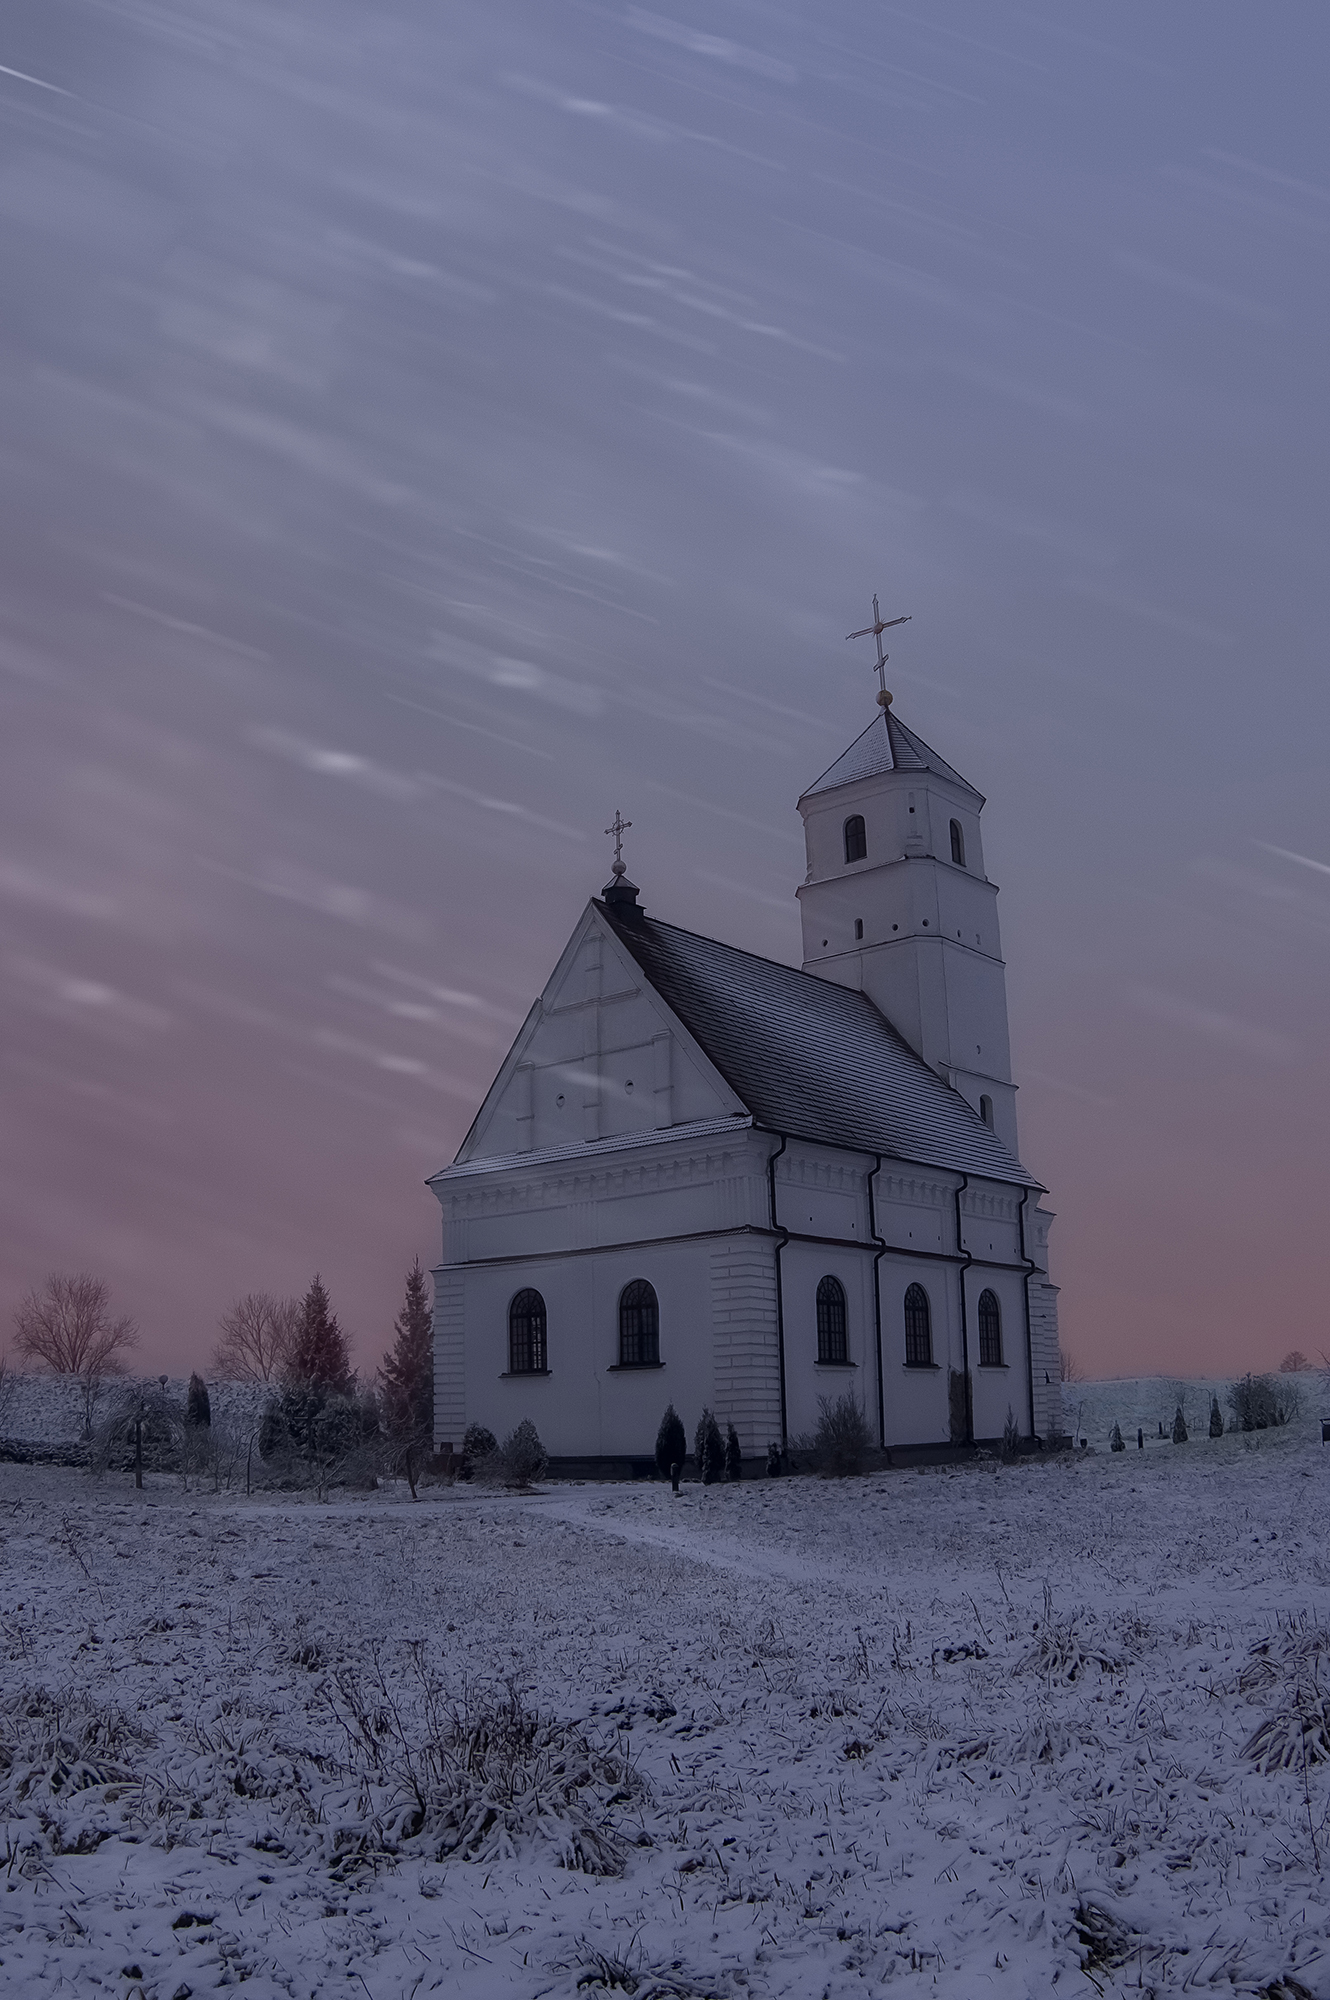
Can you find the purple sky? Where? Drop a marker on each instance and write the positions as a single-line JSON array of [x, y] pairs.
[[426, 428]]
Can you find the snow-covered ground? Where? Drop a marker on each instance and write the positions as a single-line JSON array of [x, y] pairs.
[[972, 1730]]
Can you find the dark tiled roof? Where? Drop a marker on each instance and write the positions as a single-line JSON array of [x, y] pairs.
[[886, 745], [811, 1058]]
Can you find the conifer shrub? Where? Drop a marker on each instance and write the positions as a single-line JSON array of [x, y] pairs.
[[477, 1445], [309, 1437], [842, 1440], [198, 1409], [734, 1464], [1179, 1427], [1116, 1441], [709, 1447], [519, 1460], [774, 1466], [671, 1442], [1216, 1418]]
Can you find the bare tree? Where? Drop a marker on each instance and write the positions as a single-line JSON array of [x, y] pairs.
[[1070, 1367], [1294, 1363], [256, 1337], [68, 1326]]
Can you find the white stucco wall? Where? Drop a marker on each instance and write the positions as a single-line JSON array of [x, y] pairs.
[[690, 1212]]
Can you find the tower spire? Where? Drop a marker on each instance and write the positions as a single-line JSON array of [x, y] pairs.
[[877, 628]]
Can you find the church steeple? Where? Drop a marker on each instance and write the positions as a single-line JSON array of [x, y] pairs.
[[896, 904]]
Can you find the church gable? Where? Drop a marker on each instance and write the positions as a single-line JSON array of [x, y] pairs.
[[600, 1055]]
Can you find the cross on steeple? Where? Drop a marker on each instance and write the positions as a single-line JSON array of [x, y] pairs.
[[877, 628], [618, 827]]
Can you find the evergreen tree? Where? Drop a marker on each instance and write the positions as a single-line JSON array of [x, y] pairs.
[[1216, 1418], [478, 1444], [671, 1442], [1179, 1427], [709, 1448], [407, 1372], [1116, 1441], [734, 1464], [198, 1410], [318, 1358]]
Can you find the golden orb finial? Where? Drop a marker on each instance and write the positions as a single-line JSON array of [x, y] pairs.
[[884, 697]]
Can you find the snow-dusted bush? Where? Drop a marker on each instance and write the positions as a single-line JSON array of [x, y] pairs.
[[519, 1460], [842, 1441], [143, 1430], [1259, 1403], [734, 1462], [1179, 1427], [1216, 1418], [1116, 1440], [709, 1448]]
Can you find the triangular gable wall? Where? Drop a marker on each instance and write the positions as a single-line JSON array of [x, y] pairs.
[[600, 1054]]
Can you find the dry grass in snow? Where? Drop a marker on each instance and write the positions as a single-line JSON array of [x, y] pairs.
[[979, 1730]]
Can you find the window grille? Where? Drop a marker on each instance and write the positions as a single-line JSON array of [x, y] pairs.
[[526, 1334], [990, 1331], [639, 1326], [856, 840], [831, 1342], [918, 1328]]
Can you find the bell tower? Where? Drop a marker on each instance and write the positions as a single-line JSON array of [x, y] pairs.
[[896, 903]]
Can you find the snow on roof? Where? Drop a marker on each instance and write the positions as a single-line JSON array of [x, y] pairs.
[[809, 1057], [886, 745]]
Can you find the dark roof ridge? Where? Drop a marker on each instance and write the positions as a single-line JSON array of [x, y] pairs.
[[809, 1056]]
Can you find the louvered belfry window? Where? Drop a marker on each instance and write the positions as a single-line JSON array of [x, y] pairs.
[[918, 1328], [856, 840], [526, 1334], [832, 1350], [639, 1326], [990, 1331]]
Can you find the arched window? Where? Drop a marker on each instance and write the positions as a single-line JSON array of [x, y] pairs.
[[986, 1111], [831, 1345], [990, 1331], [858, 927], [639, 1326], [526, 1334], [856, 840], [958, 843], [918, 1329]]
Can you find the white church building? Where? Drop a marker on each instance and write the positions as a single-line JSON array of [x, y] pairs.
[[709, 1179]]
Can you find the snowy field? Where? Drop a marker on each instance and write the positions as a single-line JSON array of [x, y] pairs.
[[974, 1730]]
